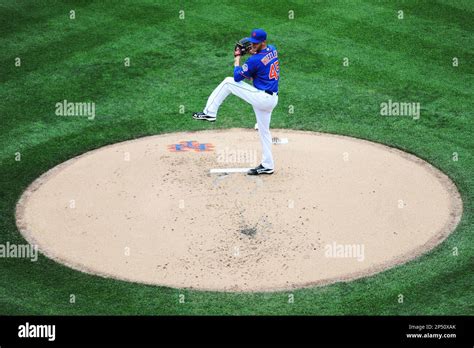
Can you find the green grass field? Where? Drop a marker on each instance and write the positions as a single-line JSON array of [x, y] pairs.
[[178, 62]]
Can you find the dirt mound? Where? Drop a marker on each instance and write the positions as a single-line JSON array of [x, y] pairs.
[[150, 211]]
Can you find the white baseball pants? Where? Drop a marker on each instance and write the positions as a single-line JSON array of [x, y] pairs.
[[262, 103]]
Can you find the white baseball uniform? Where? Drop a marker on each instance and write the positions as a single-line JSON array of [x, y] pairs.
[[262, 103]]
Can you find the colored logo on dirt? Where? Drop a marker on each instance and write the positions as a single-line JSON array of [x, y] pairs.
[[190, 145]]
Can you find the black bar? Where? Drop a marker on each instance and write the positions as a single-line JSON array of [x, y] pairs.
[[224, 330]]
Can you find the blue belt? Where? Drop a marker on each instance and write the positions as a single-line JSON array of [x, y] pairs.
[[270, 92]]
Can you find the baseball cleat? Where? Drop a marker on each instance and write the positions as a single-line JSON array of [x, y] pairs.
[[260, 170], [204, 117]]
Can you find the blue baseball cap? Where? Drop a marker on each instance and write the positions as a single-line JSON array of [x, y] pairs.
[[257, 36]]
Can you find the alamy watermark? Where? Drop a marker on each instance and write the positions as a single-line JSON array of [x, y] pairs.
[[28, 330], [336, 250], [65, 108], [227, 155], [393, 108], [26, 251]]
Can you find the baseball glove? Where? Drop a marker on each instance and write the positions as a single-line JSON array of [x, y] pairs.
[[243, 46]]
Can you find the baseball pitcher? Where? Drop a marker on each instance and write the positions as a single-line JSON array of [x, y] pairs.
[[262, 67]]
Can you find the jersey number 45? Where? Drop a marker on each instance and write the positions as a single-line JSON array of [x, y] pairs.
[[274, 71]]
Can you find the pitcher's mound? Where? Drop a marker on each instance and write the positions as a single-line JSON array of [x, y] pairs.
[[150, 211]]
